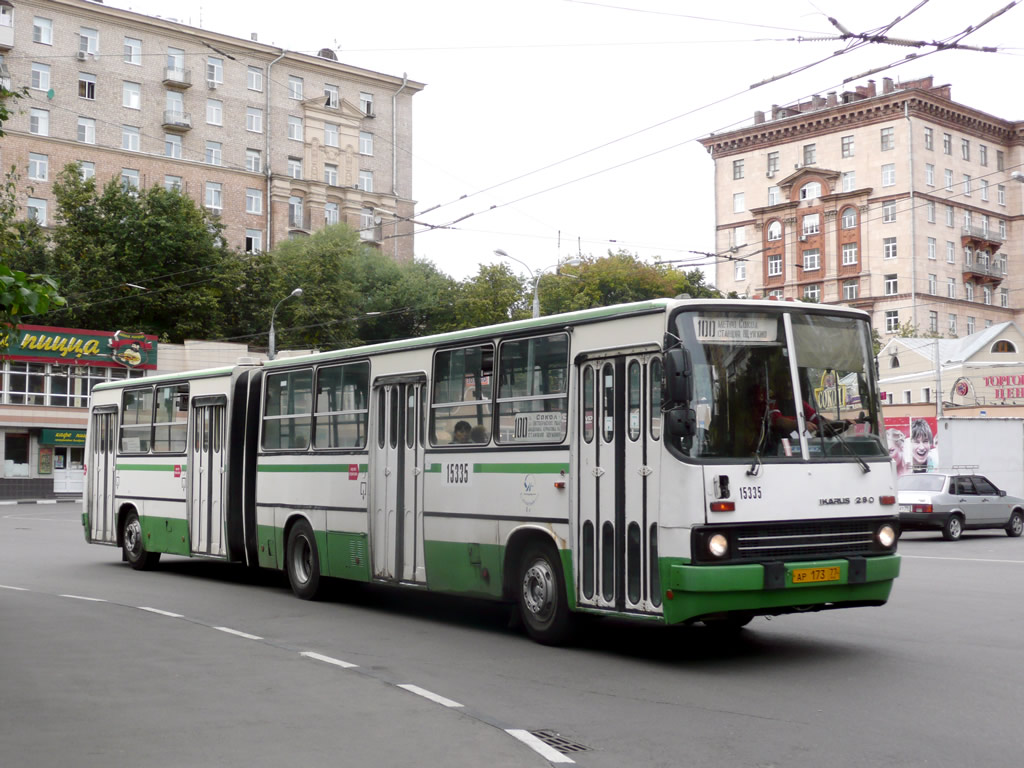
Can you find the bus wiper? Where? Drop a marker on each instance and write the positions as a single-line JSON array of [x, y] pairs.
[[842, 441]]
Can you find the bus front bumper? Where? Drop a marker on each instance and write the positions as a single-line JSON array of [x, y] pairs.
[[768, 589]]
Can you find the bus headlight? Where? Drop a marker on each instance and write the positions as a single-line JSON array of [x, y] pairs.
[[886, 536], [718, 545]]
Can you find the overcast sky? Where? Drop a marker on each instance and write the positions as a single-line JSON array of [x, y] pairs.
[[572, 126]]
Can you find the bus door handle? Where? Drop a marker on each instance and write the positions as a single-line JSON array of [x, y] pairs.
[[387, 471], [598, 471], [416, 471], [644, 471]]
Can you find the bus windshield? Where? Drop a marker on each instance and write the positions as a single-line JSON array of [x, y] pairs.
[[764, 380]]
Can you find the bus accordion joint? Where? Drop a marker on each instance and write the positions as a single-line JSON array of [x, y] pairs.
[[723, 506]]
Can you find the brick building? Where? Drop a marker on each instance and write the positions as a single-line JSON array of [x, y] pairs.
[[277, 143], [903, 203]]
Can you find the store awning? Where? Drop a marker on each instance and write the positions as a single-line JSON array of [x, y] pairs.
[[62, 437]]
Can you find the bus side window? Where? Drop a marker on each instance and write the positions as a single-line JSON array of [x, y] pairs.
[[533, 395], [461, 392], [137, 420], [288, 410]]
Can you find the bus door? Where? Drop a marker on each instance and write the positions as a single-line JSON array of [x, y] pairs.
[[102, 474], [619, 465], [396, 490], [206, 475]]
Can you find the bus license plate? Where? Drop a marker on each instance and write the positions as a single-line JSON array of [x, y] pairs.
[[811, 575]]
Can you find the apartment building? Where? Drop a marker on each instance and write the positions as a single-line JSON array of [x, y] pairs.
[[903, 203], [276, 143]]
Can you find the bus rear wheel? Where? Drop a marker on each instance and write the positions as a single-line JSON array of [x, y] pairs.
[[302, 561], [541, 595], [133, 547]]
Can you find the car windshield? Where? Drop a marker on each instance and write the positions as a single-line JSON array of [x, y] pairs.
[[921, 482]]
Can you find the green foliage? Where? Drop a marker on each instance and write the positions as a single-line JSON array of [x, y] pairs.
[[493, 295]]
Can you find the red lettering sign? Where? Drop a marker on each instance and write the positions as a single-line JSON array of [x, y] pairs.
[[353, 471], [177, 470]]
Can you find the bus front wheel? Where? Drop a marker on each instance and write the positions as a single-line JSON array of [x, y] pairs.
[[541, 595], [302, 561], [133, 547]]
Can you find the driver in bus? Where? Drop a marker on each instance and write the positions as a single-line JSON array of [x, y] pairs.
[[785, 424]]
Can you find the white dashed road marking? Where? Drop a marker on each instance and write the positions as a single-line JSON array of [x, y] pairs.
[[327, 659], [16, 589], [87, 599], [436, 698], [231, 631], [548, 753], [162, 613]]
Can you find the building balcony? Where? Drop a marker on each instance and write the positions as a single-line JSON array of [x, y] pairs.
[[177, 78], [6, 37], [177, 121], [299, 219], [984, 272], [981, 238]]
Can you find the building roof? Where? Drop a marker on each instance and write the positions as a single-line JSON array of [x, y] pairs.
[[950, 350]]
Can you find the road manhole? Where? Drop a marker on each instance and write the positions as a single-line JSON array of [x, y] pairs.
[[558, 742]]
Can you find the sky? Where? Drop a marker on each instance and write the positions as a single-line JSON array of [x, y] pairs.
[[553, 128]]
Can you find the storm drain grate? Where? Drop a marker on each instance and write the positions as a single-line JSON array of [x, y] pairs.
[[559, 742]]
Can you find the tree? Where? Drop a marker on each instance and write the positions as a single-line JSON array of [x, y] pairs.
[[493, 295]]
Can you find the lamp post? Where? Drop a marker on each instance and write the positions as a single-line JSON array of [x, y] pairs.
[[535, 276], [270, 351]]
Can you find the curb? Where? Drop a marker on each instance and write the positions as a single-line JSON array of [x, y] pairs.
[[11, 503]]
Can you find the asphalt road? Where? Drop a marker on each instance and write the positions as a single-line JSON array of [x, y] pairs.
[[202, 664]]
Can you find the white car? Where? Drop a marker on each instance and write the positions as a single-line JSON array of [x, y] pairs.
[[954, 503]]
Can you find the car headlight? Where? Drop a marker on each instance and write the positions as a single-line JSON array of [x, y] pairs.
[[886, 536], [718, 545]]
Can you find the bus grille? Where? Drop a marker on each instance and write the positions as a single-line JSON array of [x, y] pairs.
[[809, 540]]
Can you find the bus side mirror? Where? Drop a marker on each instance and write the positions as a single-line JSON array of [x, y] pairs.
[[681, 422], [678, 377]]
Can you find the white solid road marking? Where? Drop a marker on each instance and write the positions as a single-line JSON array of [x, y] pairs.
[[327, 659], [47, 501], [430, 695], [89, 599], [963, 559], [230, 631], [162, 613], [548, 753], [16, 589]]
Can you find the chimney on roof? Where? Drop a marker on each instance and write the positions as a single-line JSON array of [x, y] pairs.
[[817, 102], [758, 117], [871, 89], [831, 99], [252, 35], [887, 85], [775, 111]]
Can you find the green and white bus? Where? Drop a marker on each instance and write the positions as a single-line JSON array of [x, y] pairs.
[[645, 460]]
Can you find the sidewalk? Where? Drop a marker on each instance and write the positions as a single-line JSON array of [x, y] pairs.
[[58, 500]]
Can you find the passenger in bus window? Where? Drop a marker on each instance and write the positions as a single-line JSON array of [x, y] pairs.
[[478, 434], [463, 432]]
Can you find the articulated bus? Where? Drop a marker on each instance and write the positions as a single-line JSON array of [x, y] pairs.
[[673, 460]]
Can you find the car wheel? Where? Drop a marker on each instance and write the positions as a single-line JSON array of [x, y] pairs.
[[302, 561], [1015, 527], [541, 595], [134, 548], [953, 528]]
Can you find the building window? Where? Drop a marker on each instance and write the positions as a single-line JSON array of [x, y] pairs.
[[983, 183], [1004, 297], [87, 130], [850, 290], [951, 288], [295, 218], [42, 31], [774, 264], [888, 139], [294, 87], [952, 324], [890, 286], [88, 170], [967, 185], [214, 71], [86, 86], [130, 179], [330, 174], [849, 254], [36, 210], [214, 152], [38, 166], [738, 236], [965, 149], [40, 77], [295, 167], [774, 196], [214, 197], [738, 203], [133, 51], [130, 138], [810, 154], [294, 128], [330, 135], [929, 174], [849, 181], [947, 144], [773, 163], [950, 216], [254, 119], [172, 183], [1002, 228], [737, 169], [366, 103], [888, 174], [933, 284], [811, 224], [849, 220], [1001, 194], [39, 122], [214, 112], [929, 138], [253, 161], [253, 240], [948, 175], [950, 252], [1000, 160], [907, 399], [970, 325], [969, 290], [365, 143], [889, 212], [812, 259], [986, 294], [775, 293], [889, 248], [812, 292], [933, 321], [89, 40], [740, 271], [176, 64], [930, 211], [331, 96], [174, 106], [331, 214], [254, 79], [848, 146], [131, 95], [933, 247], [254, 201], [366, 181], [810, 191], [775, 231], [172, 145], [983, 154], [892, 321]]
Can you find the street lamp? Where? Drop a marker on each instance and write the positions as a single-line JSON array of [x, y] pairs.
[[270, 351], [535, 276]]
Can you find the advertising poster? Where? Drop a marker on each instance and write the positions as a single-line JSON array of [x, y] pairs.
[[913, 444]]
